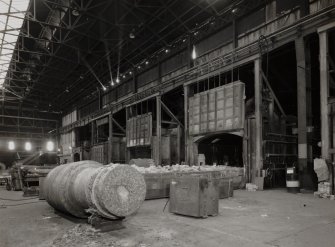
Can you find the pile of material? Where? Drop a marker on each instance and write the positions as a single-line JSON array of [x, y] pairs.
[[321, 169], [251, 187], [142, 162], [324, 190], [228, 170], [158, 178], [325, 177], [112, 191]]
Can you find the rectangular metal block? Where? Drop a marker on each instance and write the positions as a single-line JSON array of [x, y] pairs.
[[194, 195], [217, 109], [41, 188], [139, 130], [226, 188]]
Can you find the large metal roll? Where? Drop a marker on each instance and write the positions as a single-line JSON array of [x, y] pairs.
[[111, 191], [118, 190]]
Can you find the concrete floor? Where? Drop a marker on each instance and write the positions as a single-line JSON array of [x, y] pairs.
[[262, 218]]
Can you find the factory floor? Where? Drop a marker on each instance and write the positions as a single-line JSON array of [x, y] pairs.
[[262, 218]]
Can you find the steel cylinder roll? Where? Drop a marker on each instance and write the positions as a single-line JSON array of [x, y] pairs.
[[112, 191]]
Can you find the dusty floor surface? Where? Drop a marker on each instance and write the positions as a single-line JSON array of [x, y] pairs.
[[268, 218]]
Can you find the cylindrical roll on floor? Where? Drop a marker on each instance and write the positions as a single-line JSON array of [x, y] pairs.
[[112, 191]]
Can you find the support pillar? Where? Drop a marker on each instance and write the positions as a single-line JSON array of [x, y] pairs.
[[186, 135], [127, 148], [158, 130], [258, 117], [92, 133], [110, 137], [178, 143], [324, 93], [301, 98], [57, 137]]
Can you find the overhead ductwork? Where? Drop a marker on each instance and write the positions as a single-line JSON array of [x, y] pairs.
[[49, 29], [53, 21]]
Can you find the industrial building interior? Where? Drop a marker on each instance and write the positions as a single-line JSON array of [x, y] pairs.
[[152, 123]]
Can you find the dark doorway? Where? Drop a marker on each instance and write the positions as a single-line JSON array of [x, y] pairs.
[[222, 149], [76, 157]]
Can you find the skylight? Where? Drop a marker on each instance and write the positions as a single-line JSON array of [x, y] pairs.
[[12, 14]]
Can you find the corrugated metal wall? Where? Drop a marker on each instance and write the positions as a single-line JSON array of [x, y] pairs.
[[174, 63], [147, 77], [88, 109], [139, 130], [215, 41], [109, 97], [218, 109], [284, 5], [125, 88], [119, 150], [68, 140], [250, 21], [69, 118], [99, 153]]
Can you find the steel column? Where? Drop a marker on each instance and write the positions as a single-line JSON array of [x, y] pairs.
[[186, 135], [110, 137], [301, 102], [158, 130], [259, 117], [324, 93]]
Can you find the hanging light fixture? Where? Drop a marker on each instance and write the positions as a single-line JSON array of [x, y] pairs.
[[11, 145], [27, 146], [194, 53], [50, 146], [234, 10], [75, 12]]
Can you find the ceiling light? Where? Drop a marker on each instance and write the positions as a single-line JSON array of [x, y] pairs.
[[139, 67], [124, 76], [27, 146], [112, 82], [146, 62], [104, 88], [194, 53], [67, 90], [117, 79], [75, 12], [132, 35], [50, 146], [167, 50], [130, 72], [11, 145], [234, 10]]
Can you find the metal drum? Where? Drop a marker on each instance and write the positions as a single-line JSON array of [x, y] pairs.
[[292, 180]]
